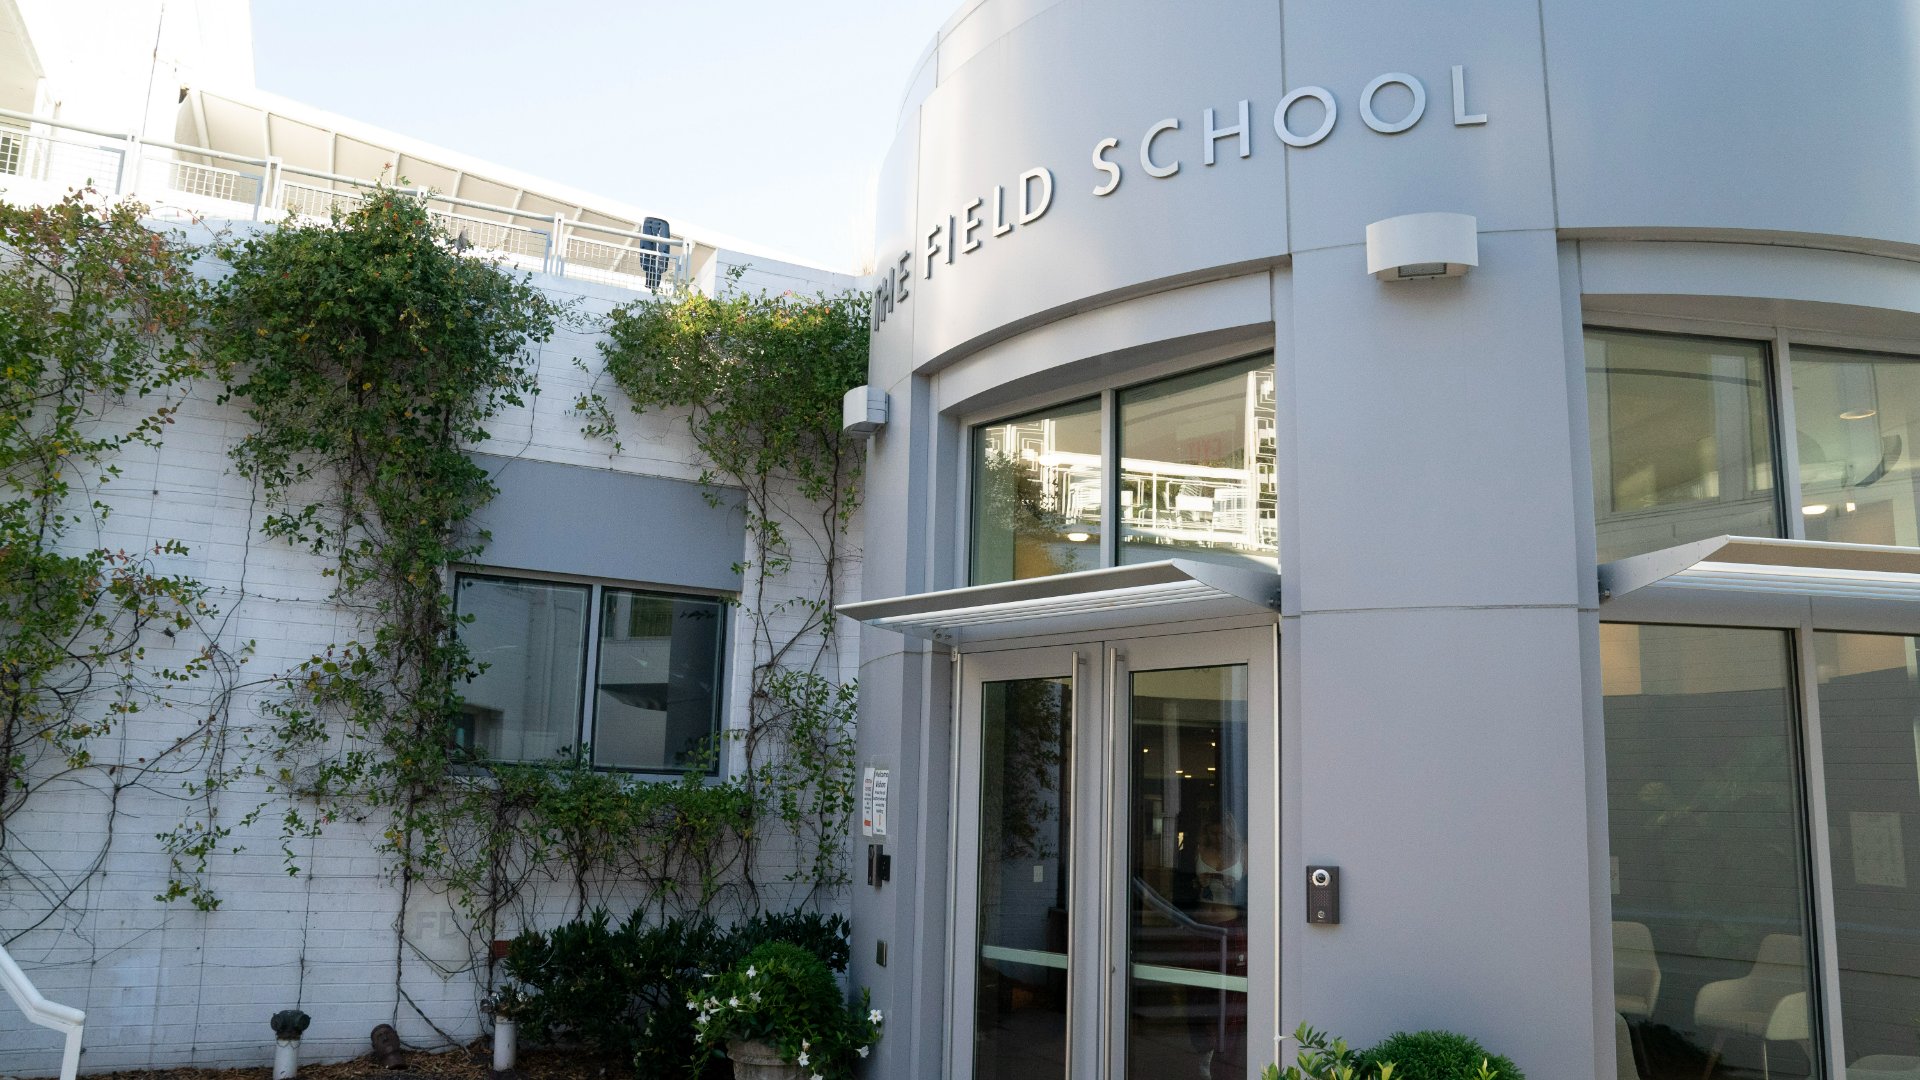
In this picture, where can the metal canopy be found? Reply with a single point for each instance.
(1757, 581)
(1177, 590)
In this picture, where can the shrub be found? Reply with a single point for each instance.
(783, 994)
(825, 936)
(621, 989)
(1438, 1055)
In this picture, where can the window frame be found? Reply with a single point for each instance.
(1107, 391)
(585, 723)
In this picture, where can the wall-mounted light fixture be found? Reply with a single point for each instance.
(1416, 246)
(863, 411)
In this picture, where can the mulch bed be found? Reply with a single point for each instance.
(471, 1062)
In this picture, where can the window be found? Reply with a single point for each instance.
(1037, 494)
(1195, 478)
(1682, 440)
(1705, 826)
(1858, 417)
(654, 664)
(1870, 733)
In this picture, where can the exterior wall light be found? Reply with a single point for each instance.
(1415, 246)
(863, 411)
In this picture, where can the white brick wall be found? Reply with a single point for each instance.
(163, 984)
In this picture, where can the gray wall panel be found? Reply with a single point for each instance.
(1770, 115)
(564, 519)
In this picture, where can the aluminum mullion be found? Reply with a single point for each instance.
(1786, 479)
(1110, 481)
(1820, 854)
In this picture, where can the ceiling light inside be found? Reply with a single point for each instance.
(1858, 414)
(1079, 537)
(1815, 509)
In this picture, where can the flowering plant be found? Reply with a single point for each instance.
(784, 995)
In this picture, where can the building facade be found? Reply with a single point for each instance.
(1289, 606)
(604, 604)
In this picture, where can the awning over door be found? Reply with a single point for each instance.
(1177, 590)
(1755, 581)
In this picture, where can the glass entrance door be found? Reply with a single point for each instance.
(1115, 902)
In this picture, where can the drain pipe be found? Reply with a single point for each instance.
(505, 1044)
(287, 1026)
(503, 1005)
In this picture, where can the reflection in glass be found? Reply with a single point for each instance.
(1682, 446)
(657, 690)
(1704, 822)
(1197, 467)
(1020, 1004)
(1870, 735)
(532, 638)
(1036, 494)
(1859, 416)
(1187, 923)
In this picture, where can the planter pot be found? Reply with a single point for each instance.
(756, 1060)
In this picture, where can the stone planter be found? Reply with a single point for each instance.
(756, 1060)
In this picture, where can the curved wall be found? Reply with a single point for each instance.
(1439, 618)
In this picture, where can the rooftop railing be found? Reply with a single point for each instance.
(41, 159)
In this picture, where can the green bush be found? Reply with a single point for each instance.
(785, 995)
(621, 989)
(826, 936)
(1437, 1055)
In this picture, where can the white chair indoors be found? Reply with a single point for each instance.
(1636, 971)
(1624, 1067)
(1790, 1022)
(1636, 981)
(1745, 1006)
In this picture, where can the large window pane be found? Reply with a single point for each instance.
(1859, 418)
(1187, 932)
(1870, 735)
(1710, 886)
(532, 638)
(1197, 467)
(657, 691)
(1037, 494)
(1682, 446)
(1020, 1007)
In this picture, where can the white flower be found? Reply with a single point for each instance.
(754, 997)
(733, 1003)
(863, 1051)
(817, 1076)
(693, 1006)
(802, 1059)
(873, 1017)
(750, 972)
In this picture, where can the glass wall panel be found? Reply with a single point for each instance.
(1187, 930)
(1858, 416)
(532, 638)
(1704, 819)
(1037, 492)
(1682, 445)
(657, 690)
(1870, 735)
(1020, 1005)
(1197, 467)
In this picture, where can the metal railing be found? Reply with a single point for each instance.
(41, 159)
(47, 1014)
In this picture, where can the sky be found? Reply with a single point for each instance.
(760, 119)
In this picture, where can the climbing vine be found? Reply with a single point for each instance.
(368, 354)
(96, 314)
(759, 381)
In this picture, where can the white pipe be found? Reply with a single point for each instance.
(503, 1045)
(46, 1013)
(286, 1058)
